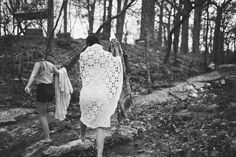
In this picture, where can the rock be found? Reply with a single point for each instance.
(4, 129)
(10, 115)
(31, 150)
(146, 154)
(197, 107)
(138, 125)
(206, 77)
(215, 153)
(222, 134)
(193, 95)
(158, 96)
(212, 108)
(127, 131)
(198, 115)
(185, 114)
(233, 123)
(71, 146)
(233, 144)
(113, 135)
(169, 106)
(180, 95)
(233, 105)
(216, 121)
(199, 85)
(180, 87)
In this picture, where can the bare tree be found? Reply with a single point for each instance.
(184, 16)
(0, 18)
(176, 33)
(50, 33)
(196, 29)
(206, 37)
(104, 18)
(91, 9)
(160, 28)
(185, 30)
(107, 28)
(65, 16)
(114, 17)
(217, 55)
(120, 20)
(147, 20)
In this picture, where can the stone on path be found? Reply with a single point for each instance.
(180, 91)
(212, 108)
(124, 132)
(10, 115)
(68, 147)
(158, 96)
(233, 144)
(215, 75)
(31, 150)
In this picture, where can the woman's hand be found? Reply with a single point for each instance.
(58, 66)
(115, 47)
(27, 89)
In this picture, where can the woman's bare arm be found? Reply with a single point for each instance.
(33, 74)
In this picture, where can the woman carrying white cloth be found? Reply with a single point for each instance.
(102, 79)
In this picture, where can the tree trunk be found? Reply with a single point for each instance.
(0, 18)
(175, 28)
(206, 38)
(91, 10)
(107, 28)
(104, 18)
(185, 29)
(168, 26)
(120, 20)
(147, 47)
(65, 16)
(147, 19)
(218, 56)
(221, 48)
(196, 29)
(176, 37)
(216, 42)
(50, 34)
(160, 23)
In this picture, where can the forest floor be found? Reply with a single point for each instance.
(202, 124)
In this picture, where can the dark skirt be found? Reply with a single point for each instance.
(45, 93)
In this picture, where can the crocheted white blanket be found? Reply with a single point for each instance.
(102, 79)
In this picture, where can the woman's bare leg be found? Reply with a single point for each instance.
(82, 131)
(43, 118)
(100, 141)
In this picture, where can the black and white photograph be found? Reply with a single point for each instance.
(117, 78)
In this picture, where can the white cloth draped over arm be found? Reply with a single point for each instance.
(63, 91)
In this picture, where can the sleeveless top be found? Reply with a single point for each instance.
(45, 73)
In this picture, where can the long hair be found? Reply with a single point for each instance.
(92, 39)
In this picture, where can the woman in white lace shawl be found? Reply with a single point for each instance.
(102, 79)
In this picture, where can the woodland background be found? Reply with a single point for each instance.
(168, 43)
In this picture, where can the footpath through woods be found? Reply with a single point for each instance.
(191, 119)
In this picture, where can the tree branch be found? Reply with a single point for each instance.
(110, 19)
